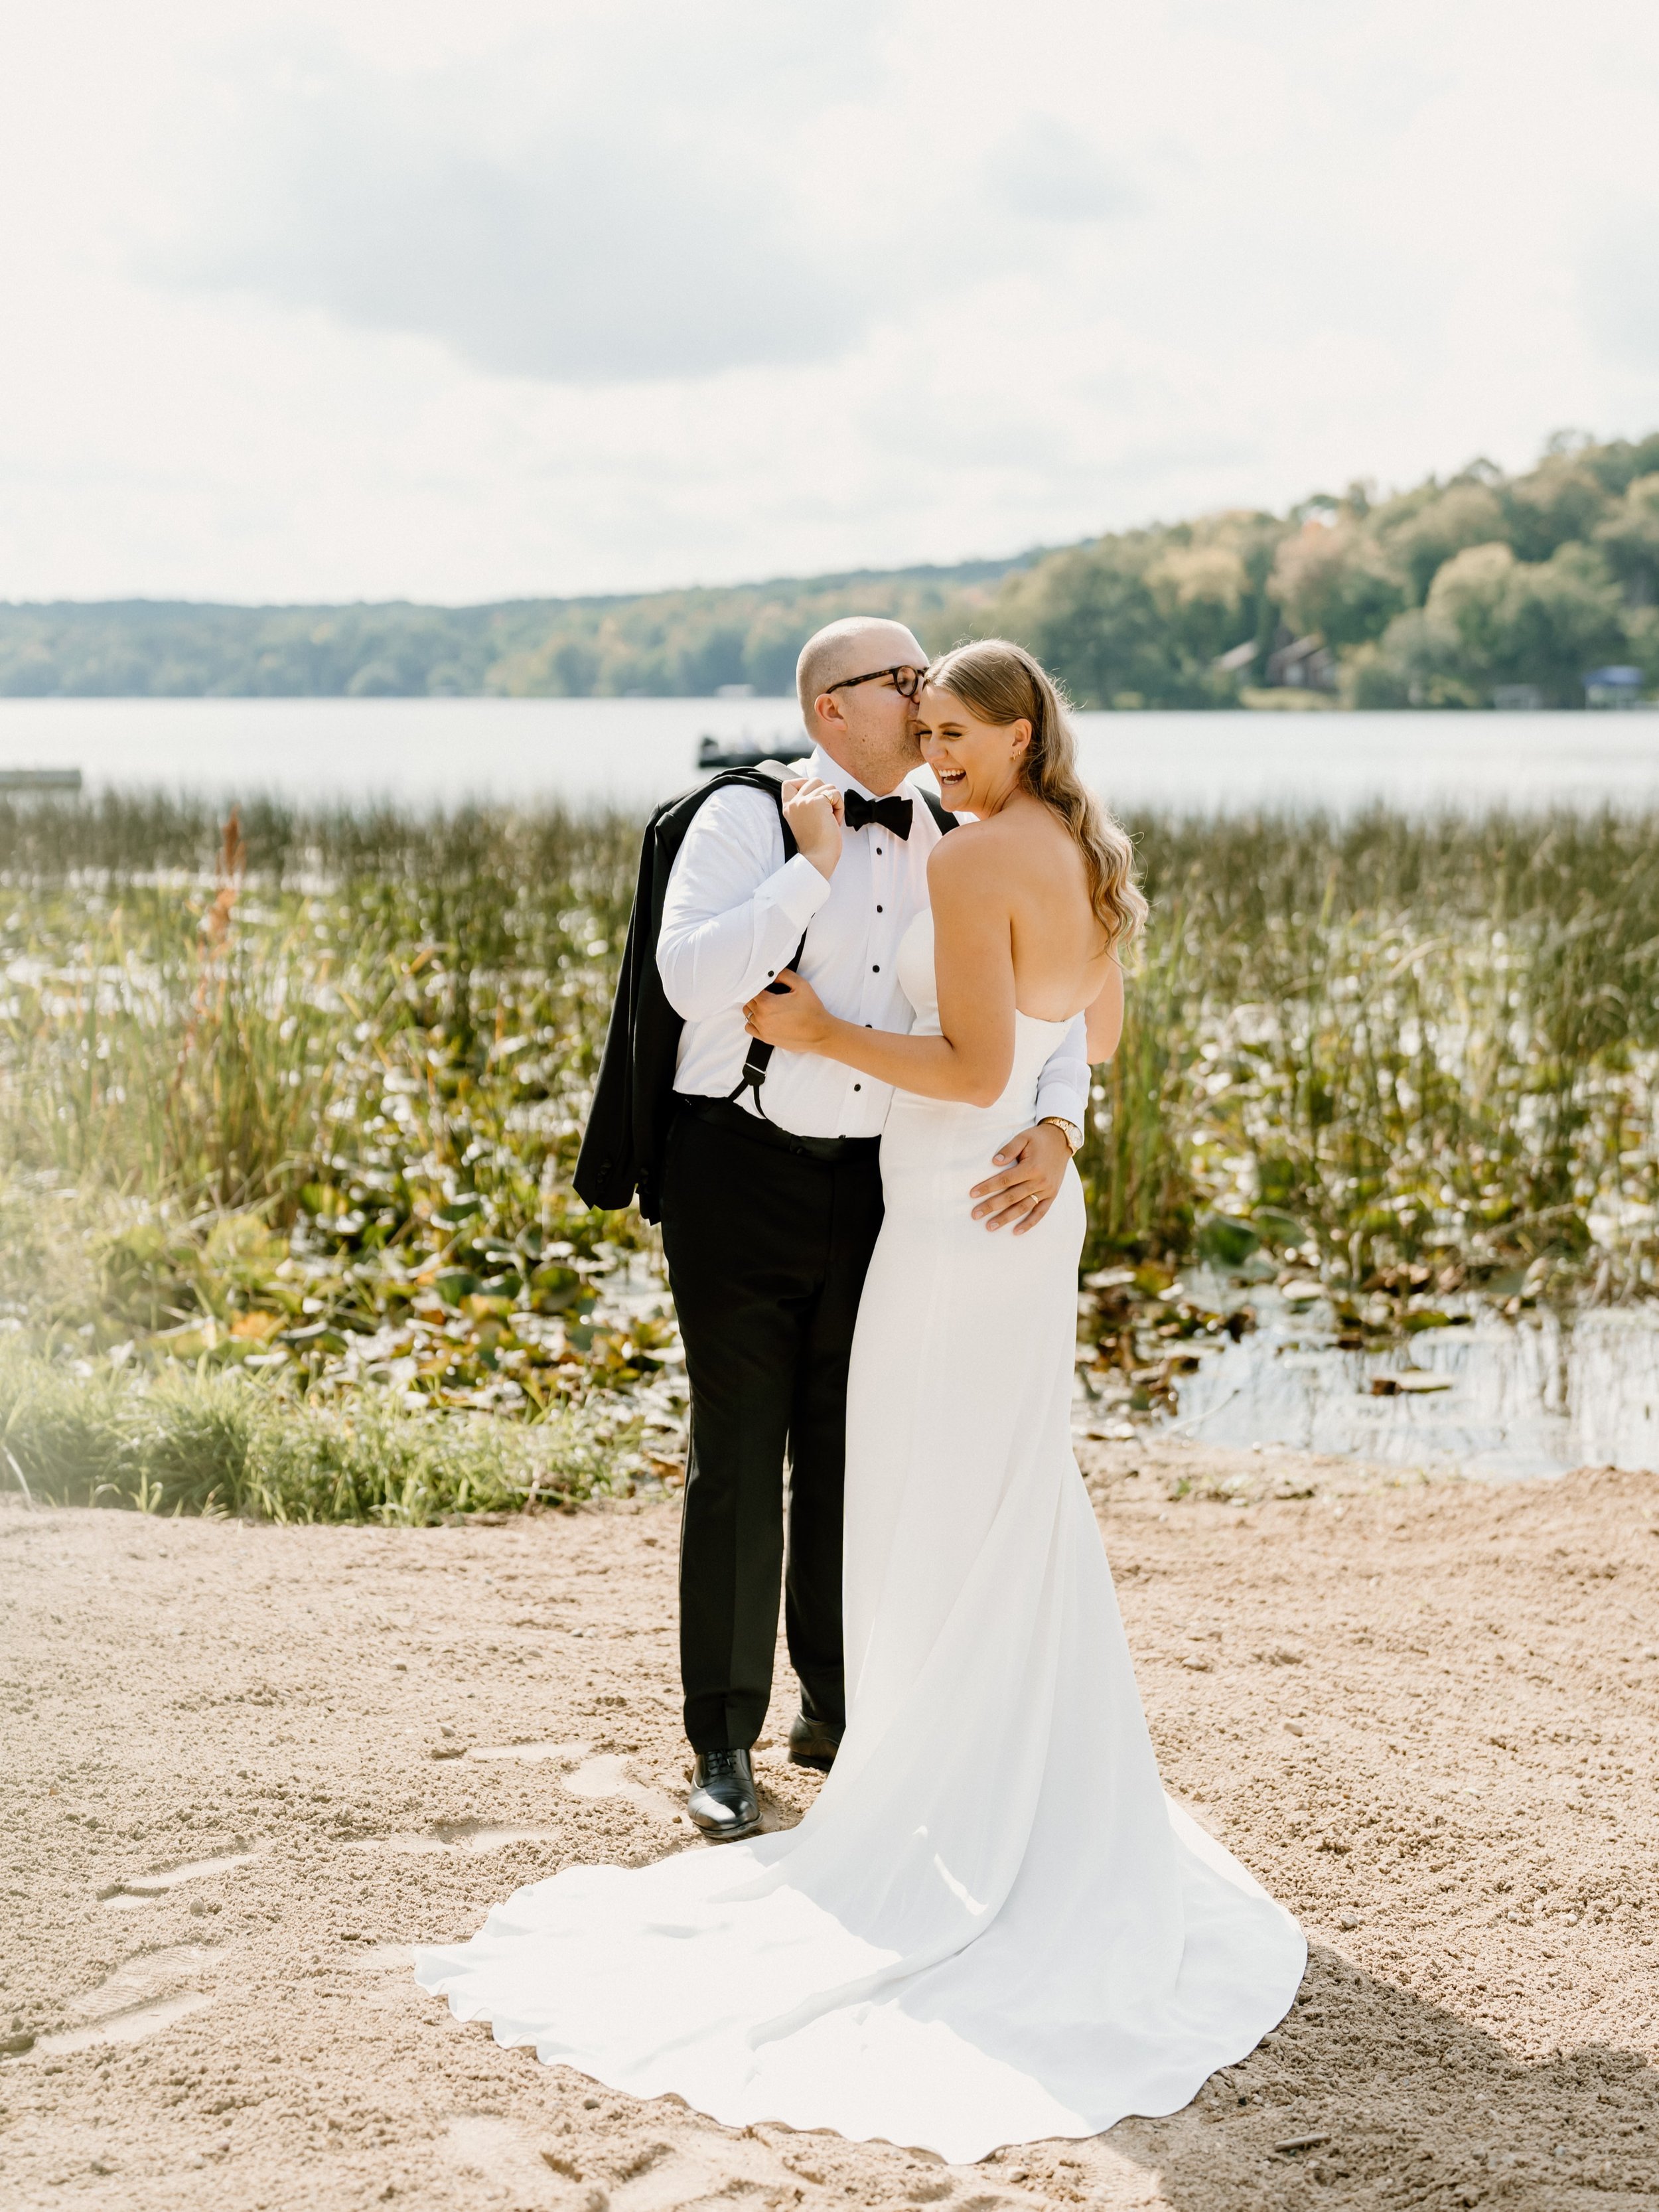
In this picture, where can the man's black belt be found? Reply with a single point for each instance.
(726, 1115)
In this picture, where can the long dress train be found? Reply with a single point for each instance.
(992, 1926)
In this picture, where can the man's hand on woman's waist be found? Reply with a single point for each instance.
(1031, 1168)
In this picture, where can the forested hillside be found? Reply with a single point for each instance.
(1438, 597)
(1460, 590)
(663, 644)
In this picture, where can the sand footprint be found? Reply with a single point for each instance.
(139, 1999)
(500, 2153)
(144, 1888)
(452, 1836)
(123, 2028)
(654, 2176)
(607, 1776)
(604, 1775)
(527, 1754)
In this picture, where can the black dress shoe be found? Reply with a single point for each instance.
(814, 1743)
(723, 1802)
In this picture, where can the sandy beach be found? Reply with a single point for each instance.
(247, 1767)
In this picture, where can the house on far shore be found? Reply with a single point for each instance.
(1518, 698)
(1306, 664)
(1612, 687)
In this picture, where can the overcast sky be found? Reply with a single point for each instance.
(337, 298)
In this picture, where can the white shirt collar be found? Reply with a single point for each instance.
(831, 771)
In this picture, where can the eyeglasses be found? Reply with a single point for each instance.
(906, 681)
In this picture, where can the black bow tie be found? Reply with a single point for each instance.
(892, 814)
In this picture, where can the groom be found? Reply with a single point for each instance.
(771, 1190)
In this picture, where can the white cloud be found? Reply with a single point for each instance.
(546, 212)
(1047, 169)
(1621, 284)
(536, 296)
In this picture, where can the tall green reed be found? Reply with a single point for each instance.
(1379, 1039)
(1408, 1038)
(219, 1012)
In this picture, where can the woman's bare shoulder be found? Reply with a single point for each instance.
(968, 855)
(1018, 838)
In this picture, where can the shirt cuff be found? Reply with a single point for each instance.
(797, 889)
(1070, 1101)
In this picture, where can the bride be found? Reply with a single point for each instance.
(993, 1926)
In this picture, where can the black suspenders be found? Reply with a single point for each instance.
(759, 1057)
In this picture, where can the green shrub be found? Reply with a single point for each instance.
(197, 1442)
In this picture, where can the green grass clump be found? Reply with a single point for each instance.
(193, 1440)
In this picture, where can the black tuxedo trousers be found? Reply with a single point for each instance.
(766, 1252)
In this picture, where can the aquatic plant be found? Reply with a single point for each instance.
(1387, 1041)
(299, 1096)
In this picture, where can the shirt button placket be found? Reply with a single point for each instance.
(880, 872)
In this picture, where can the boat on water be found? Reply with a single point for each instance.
(40, 778)
(745, 752)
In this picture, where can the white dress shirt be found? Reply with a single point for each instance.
(735, 912)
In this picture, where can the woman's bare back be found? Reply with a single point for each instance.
(1060, 953)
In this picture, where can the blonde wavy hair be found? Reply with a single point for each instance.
(1000, 683)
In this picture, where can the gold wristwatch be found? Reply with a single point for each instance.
(1069, 1130)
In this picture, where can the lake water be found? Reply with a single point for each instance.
(1494, 1398)
(635, 751)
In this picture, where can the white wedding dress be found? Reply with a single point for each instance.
(993, 1926)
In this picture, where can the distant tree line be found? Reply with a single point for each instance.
(1481, 587)
(1452, 594)
(662, 644)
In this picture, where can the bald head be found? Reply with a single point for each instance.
(855, 646)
